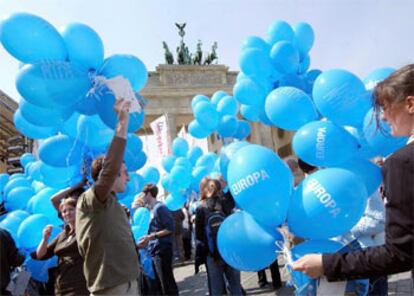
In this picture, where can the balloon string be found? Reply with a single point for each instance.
(286, 254)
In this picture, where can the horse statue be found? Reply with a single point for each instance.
(198, 56)
(169, 58)
(212, 55)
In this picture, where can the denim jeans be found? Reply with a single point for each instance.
(217, 272)
(164, 272)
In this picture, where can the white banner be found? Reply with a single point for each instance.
(162, 136)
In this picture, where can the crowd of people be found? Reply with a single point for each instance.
(97, 253)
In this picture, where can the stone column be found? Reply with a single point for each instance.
(172, 125)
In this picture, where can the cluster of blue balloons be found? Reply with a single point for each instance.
(185, 169)
(218, 114)
(66, 106)
(274, 85)
(63, 95)
(261, 184)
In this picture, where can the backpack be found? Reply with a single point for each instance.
(214, 220)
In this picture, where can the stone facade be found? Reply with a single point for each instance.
(171, 88)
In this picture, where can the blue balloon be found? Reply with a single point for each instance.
(126, 201)
(70, 126)
(60, 151)
(151, 175)
(206, 115)
(322, 143)
(18, 197)
(17, 175)
(341, 97)
(168, 162)
(84, 46)
(304, 36)
(40, 116)
(255, 42)
(166, 183)
(241, 239)
(180, 147)
(364, 150)
(326, 204)
(181, 177)
(251, 113)
(142, 217)
(12, 222)
(378, 75)
(37, 186)
(58, 177)
(175, 201)
(33, 170)
(93, 132)
(241, 76)
(30, 231)
(294, 80)
(207, 160)
(228, 126)
(249, 92)
(42, 205)
(268, 177)
(183, 162)
(15, 183)
(217, 96)
(26, 158)
(264, 119)
(285, 57)
(105, 107)
(226, 155)
(39, 269)
(136, 183)
(31, 39)
(300, 279)
(4, 178)
(256, 63)
(139, 161)
(133, 152)
(19, 214)
(138, 232)
(194, 154)
(52, 84)
(198, 131)
(378, 136)
(279, 31)
(368, 172)
(304, 65)
(198, 174)
(243, 130)
(30, 130)
(86, 105)
(197, 99)
(290, 108)
(128, 66)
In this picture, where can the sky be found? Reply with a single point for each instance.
(359, 36)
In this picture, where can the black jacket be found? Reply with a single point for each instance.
(9, 257)
(396, 255)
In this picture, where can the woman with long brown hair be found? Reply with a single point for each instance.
(209, 216)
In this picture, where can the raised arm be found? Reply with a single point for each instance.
(45, 251)
(57, 198)
(113, 160)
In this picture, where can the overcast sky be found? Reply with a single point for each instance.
(356, 35)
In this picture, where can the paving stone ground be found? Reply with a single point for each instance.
(190, 284)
